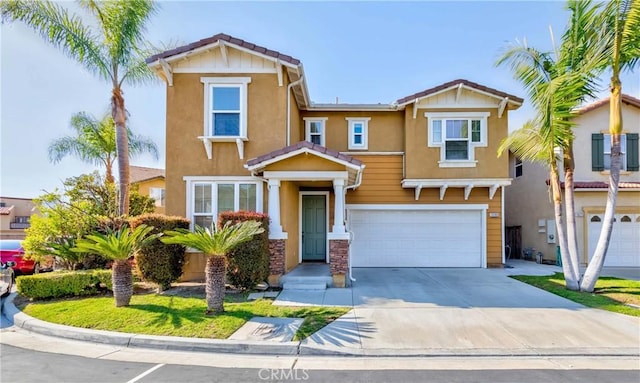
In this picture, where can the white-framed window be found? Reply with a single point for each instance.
(158, 195)
(358, 132)
(225, 107)
(457, 134)
(209, 196)
(315, 130)
(518, 168)
(607, 152)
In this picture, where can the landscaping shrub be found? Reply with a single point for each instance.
(158, 262)
(249, 262)
(64, 284)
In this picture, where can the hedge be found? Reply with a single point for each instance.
(64, 284)
(249, 262)
(158, 262)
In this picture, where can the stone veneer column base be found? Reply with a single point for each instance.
(276, 261)
(339, 261)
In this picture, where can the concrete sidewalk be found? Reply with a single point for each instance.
(418, 312)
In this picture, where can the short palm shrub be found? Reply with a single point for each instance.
(119, 245)
(215, 242)
(248, 262)
(159, 262)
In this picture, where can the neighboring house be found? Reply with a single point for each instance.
(150, 182)
(15, 214)
(529, 208)
(415, 183)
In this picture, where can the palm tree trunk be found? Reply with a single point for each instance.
(122, 282)
(570, 278)
(118, 113)
(215, 273)
(594, 268)
(109, 173)
(572, 236)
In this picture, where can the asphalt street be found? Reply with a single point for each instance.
(21, 365)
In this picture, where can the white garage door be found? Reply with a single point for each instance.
(624, 246)
(416, 238)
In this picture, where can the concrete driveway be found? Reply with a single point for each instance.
(469, 311)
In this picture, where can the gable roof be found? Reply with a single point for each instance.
(626, 99)
(302, 147)
(453, 84)
(140, 173)
(230, 39)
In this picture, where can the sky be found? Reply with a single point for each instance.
(357, 52)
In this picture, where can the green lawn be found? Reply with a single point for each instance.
(172, 315)
(611, 294)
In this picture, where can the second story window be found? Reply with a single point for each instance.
(225, 107)
(607, 152)
(518, 168)
(158, 195)
(315, 130)
(457, 134)
(601, 152)
(358, 133)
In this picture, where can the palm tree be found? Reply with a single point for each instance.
(215, 243)
(94, 142)
(118, 245)
(556, 83)
(620, 21)
(109, 45)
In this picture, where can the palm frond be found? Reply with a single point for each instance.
(529, 144)
(141, 144)
(67, 32)
(119, 244)
(213, 240)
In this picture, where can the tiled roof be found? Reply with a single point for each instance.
(454, 83)
(5, 210)
(626, 99)
(227, 38)
(302, 145)
(601, 185)
(139, 174)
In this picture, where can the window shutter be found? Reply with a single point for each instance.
(597, 152)
(632, 152)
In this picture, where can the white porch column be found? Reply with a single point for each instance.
(275, 228)
(338, 215)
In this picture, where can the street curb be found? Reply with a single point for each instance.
(26, 322)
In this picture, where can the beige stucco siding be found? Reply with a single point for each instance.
(385, 130)
(422, 161)
(305, 162)
(381, 184)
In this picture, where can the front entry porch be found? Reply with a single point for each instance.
(307, 276)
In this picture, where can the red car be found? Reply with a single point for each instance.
(11, 251)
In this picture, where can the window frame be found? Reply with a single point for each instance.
(471, 145)
(623, 151)
(352, 121)
(194, 181)
(307, 129)
(225, 82)
(163, 198)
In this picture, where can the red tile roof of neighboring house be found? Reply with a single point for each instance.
(302, 145)
(601, 185)
(454, 83)
(5, 210)
(140, 173)
(227, 38)
(626, 99)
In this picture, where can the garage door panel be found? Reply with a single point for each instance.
(406, 238)
(624, 244)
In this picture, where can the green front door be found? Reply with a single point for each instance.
(314, 228)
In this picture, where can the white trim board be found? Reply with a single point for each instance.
(459, 206)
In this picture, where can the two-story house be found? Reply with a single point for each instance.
(15, 214)
(529, 210)
(149, 182)
(414, 183)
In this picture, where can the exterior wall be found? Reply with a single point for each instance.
(527, 201)
(289, 215)
(22, 207)
(305, 162)
(590, 202)
(381, 184)
(422, 161)
(266, 129)
(385, 130)
(597, 121)
(144, 186)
